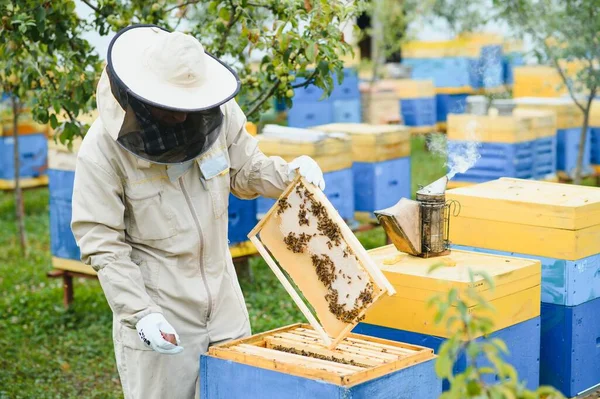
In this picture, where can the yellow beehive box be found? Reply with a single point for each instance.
(554, 220)
(329, 151)
(411, 88)
(251, 128)
(25, 124)
(380, 102)
(567, 114)
(489, 129)
(537, 81)
(373, 143)
(543, 123)
(516, 297)
(595, 114)
(430, 49)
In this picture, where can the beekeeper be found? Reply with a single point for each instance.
(150, 200)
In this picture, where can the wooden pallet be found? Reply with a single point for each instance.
(297, 350)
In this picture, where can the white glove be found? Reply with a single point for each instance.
(309, 169)
(150, 329)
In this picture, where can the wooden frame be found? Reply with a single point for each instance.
(358, 359)
(379, 280)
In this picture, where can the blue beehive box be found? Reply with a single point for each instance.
(291, 363)
(418, 111)
(492, 72)
(343, 104)
(509, 62)
(568, 141)
(497, 160)
(450, 104)
(445, 72)
(62, 241)
(33, 156)
(522, 340)
(242, 219)
(561, 233)
(379, 185)
(595, 145)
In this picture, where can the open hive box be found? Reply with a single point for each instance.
(296, 350)
(324, 259)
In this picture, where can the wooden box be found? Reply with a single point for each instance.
(330, 152)
(516, 297)
(529, 217)
(489, 129)
(290, 362)
(373, 143)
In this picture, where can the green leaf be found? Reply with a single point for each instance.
(443, 366)
(500, 344)
(473, 388)
(224, 14)
(434, 267)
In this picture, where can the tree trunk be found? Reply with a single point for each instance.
(582, 137)
(16, 108)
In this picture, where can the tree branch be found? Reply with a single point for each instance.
(187, 3)
(93, 7)
(264, 98)
(232, 20)
(306, 82)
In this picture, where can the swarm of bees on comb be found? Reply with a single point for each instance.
(298, 242)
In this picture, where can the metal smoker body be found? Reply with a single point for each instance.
(421, 227)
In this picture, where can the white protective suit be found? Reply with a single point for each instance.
(161, 246)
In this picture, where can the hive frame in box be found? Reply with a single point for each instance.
(379, 281)
(261, 351)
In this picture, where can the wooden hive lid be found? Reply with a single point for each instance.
(324, 259)
(487, 128)
(412, 279)
(364, 133)
(295, 350)
(530, 202)
(289, 142)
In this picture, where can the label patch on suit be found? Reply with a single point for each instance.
(214, 166)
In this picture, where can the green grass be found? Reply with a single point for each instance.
(49, 352)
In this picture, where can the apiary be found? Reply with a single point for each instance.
(290, 362)
(559, 225)
(381, 164)
(331, 152)
(569, 122)
(406, 317)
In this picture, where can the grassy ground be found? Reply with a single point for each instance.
(50, 352)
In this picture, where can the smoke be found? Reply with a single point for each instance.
(460, 155)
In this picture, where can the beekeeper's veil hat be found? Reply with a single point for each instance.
(148, 66)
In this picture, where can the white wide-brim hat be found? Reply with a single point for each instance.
(169, 70)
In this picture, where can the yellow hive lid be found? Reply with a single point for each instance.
(530, 202)
(515, 298)
(493, 129)
(429, 49)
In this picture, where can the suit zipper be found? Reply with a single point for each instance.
(199, 230)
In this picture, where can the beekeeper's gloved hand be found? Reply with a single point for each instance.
(149, 329)
(309, 169)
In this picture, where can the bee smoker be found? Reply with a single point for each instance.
(421, 228)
